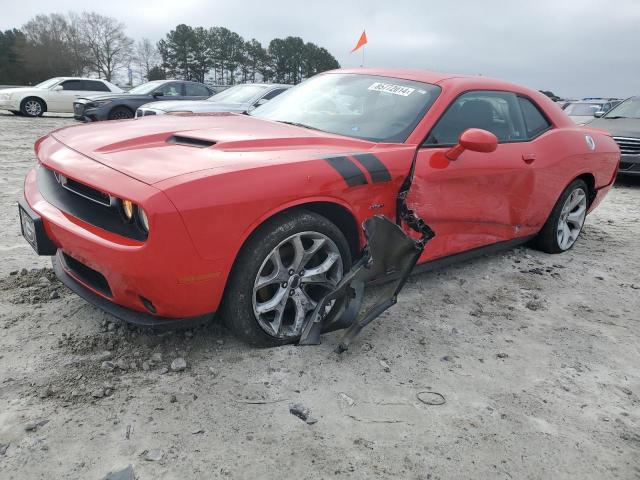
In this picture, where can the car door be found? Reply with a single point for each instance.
(61, 99)
(479, 198)
(196, 91)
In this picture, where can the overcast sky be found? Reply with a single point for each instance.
(575, 48)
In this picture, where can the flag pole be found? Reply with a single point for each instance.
(362, 64)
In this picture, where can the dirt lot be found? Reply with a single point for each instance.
(536, 356)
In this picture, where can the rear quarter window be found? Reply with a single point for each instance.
(535, 122)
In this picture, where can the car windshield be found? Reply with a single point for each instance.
(238, 94)
(630, 108)
(48, 83)
(380, 109)
(145, 88)
(583, 109)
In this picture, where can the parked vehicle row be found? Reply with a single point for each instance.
(583, 111)
(258, 216)
(237, 99)
(55, 95)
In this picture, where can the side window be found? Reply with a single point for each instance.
(196, 90)
(72, 85)
(173, 89)
(95, 86)
(535, 122)
(497, 112)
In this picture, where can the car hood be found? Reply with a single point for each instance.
(165, 146)
(581, 118)
(618, 127)
(19, 89)
(196, 106)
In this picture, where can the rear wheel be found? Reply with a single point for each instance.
(287, 266)
(32, 107)
(565, 223)
(120, 113)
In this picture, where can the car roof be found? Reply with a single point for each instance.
(437, 78)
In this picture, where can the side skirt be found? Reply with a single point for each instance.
(442, 262)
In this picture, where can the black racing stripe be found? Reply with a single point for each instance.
(349, 171)
(374, 166)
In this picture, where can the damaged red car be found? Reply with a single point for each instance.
(259, 217)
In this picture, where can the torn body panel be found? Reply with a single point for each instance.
(389, 257)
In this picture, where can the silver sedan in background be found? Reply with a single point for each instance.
(238, 99)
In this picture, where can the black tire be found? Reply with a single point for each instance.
(32, 107)
(17, 113)
(120, 113)
(547, 239)
(237, 304)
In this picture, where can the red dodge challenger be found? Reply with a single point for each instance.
(258, 216)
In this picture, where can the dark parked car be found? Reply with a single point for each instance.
(237, 99)
(121, 106)
(623, 123)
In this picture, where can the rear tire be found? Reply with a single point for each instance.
(120, 113)
(265, 305)
(32, 107)
(564, 225)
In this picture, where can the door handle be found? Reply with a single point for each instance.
(529, 158)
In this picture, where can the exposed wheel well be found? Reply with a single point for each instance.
(590, 180)
(44, 104)
(337, 214)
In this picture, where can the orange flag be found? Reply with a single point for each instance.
(361, 42)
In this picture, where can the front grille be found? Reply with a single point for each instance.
(102, 215)
(87, 275)
(148, 112)
(83, 190)
(628, 146)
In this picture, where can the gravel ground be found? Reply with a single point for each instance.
(535, 356)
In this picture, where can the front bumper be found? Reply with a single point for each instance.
(629, 165)
(9, 105)
(163, 276)
(86, 112)
(134, 317)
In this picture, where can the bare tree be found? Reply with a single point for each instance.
(109, 47)
(146, 56)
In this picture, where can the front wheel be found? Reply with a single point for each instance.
(287, 266)
(565, 223)
(120, 113)
(32, 107)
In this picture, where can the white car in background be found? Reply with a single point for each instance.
(54, 95)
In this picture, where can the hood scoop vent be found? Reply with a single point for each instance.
(190, 141)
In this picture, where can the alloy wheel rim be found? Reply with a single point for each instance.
(121, 116)
(572, 218)
(33, 108)
(294, 276)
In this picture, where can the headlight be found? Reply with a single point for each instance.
(144, 220)
(101, 103)
(127, 209)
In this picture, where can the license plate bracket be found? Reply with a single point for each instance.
(33, 230)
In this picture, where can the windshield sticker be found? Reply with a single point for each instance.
(390, 88)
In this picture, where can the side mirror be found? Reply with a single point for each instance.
(474, 139)
(58, 88)
(157, 94)
(599, 113)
